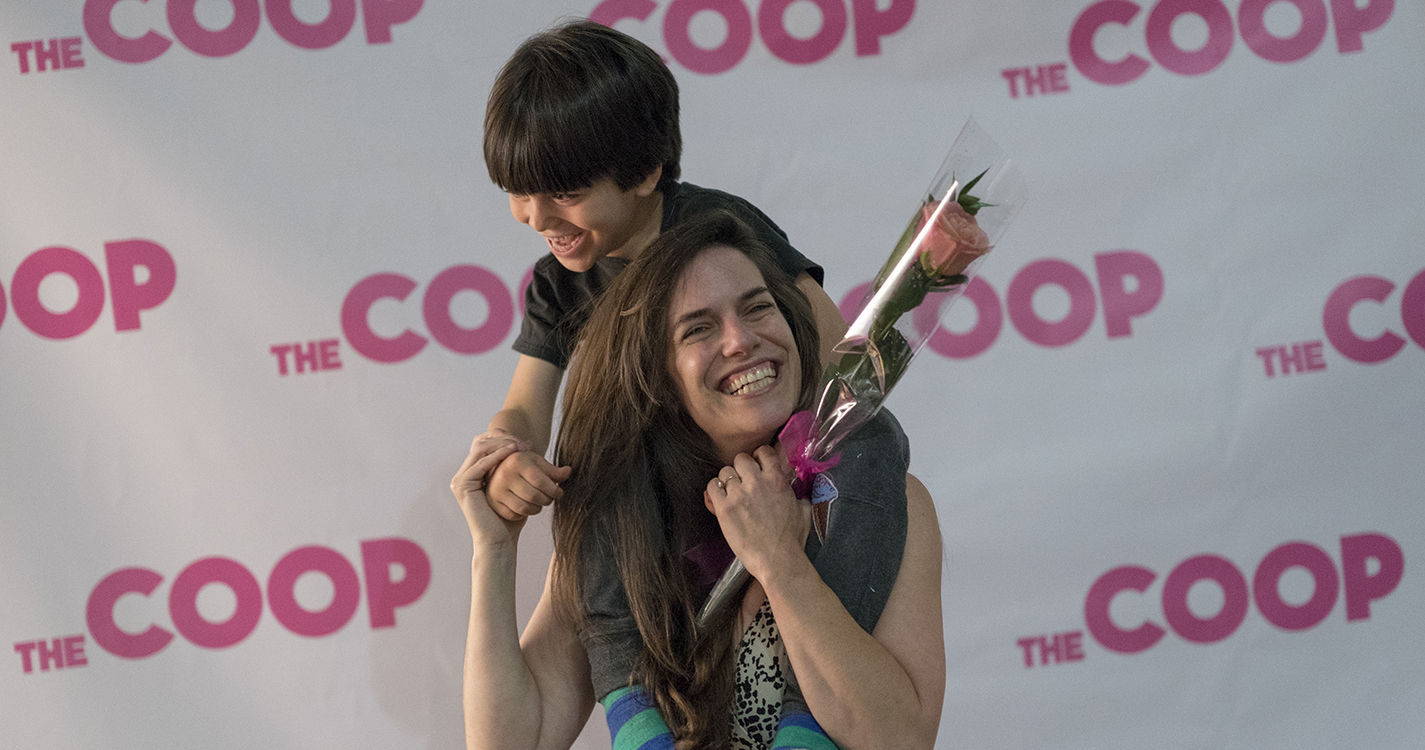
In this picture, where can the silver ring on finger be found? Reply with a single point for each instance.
(720, 484)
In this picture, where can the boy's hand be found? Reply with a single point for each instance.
(469, 488)
(523, 484)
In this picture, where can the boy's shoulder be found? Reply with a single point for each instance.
(685, 201)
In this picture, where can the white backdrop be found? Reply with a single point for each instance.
(1175, 447)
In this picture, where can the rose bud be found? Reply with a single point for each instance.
(954, 242)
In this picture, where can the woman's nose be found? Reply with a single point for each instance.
(737, 338)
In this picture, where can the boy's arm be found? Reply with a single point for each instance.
(829, 324)
(525, 482)
(528, 410)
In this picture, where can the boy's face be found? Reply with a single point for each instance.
(585, 225)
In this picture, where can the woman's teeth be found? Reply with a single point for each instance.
(759, 378)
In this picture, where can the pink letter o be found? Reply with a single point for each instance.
(707, 61)
(1267, 579)
(183, 602)
(771, 17)
(247, 16)
(436, 308)
(320, 35)
(1020, 300)
(281, 591)
(1174, 58)
(1251, 17)
(1234, 605)
(989, 319)
(25, 290)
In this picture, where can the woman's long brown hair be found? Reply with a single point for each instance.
(641, 465)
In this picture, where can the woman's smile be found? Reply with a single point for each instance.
(756, 379)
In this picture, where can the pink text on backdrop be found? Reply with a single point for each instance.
(130, 296)
(1361, 585)
(1352, 22)
(1130, 285)
(1297, 358)
(870, 22)
(1336, 317)
(63, 652)
(62, 53)
(435, 308)
(379, 17)
(312, 356)
(384, 594)
(1054, 648)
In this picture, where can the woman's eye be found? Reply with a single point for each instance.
(759, 308)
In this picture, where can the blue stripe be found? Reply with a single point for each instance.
(661, 742)
(801, 719)
(625, 708)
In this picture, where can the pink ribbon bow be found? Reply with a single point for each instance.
(796, 438)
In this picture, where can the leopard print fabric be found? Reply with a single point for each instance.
(761, 679)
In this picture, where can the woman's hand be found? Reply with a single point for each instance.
(468, 486)
(761, 518)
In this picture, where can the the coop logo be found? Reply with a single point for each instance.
(1350, 20)
(1129, 285)
(132, 31)
(868, 21)
(396, 571)
(1371, 567)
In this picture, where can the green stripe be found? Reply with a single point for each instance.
(638, 729)
(643, 727)
(802, 739)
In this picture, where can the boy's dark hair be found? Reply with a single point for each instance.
(579, 103)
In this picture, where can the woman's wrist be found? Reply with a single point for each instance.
(782, 568)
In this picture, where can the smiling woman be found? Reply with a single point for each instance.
(689, 366)
(733, 356)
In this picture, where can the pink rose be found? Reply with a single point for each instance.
(955, 241)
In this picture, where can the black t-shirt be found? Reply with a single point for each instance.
(559, 301)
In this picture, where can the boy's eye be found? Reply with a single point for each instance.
(563, 197)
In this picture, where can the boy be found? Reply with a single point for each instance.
(581, 129)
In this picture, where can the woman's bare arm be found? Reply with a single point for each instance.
(866, 690)
(521, 693)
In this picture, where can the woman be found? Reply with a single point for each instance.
(687, 370)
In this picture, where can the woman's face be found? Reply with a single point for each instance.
(733, 356)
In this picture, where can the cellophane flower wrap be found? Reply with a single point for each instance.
(970, 203)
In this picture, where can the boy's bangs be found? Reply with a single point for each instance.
(529, 165)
